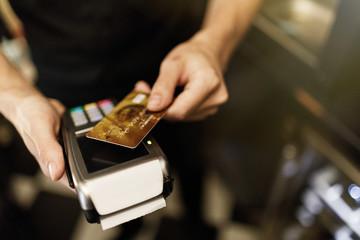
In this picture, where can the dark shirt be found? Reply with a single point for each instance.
(89, 50)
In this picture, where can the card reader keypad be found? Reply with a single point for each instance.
(91, 112)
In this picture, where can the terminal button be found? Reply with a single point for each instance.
(78, 116)
(93, 112)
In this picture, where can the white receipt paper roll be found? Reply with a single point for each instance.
(128, 187)
(131, 213)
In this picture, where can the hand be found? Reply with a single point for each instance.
(37, 119)
(194, 66)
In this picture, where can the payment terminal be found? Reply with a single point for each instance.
(112, 181)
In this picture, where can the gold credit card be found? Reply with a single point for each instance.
(128, 123)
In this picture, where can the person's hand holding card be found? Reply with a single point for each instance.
(194, 66)
(128, 123)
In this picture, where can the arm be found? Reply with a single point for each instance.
(36, 118)
(198, 64)
(225, 24)
(11, 21)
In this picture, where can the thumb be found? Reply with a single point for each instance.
(51, 157)
(164, 87)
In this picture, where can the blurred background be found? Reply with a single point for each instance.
(282, 156)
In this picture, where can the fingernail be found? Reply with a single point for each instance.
(52, 167)
(154, 101)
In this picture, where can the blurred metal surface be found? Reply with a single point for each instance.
(308, 21)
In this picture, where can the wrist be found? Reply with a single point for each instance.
(225, 23)
(11, 98)
(218, 44)
(13, 88)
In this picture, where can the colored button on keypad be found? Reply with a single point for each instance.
(93, 112)
(106, 106)
(78, 116)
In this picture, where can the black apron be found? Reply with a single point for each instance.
(89, 50)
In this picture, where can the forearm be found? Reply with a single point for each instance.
(225, 23)
(13, 87)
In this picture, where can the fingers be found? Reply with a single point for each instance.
(163, 90)
(45, 148)
(200, 98)
(59, 107)
(142, 86)
(64, 181)
(38, 122)
(202, 115)
(51, 158)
